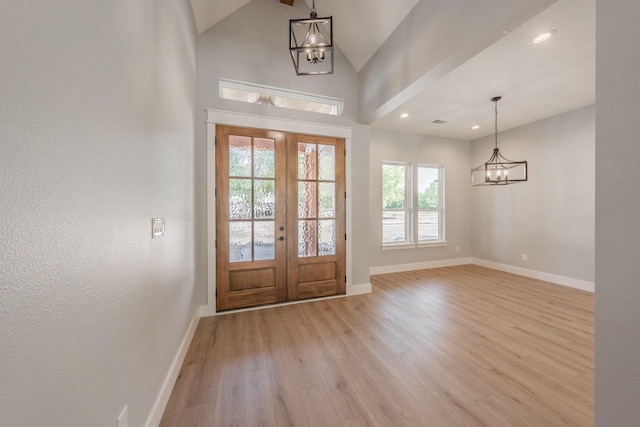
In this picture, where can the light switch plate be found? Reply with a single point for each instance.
(157, 227)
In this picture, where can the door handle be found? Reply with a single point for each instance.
(281, 238)
(281, 228)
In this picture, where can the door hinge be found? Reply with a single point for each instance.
(216, 243)
(215, 140)
(345, 194)
(215, 192)
(345, 279)
(345, 236)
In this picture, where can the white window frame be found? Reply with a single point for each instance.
(408, 206)
(440, 238)
(412, 210)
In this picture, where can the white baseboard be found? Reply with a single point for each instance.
(399, 268)
(364, 288)
(167, 385)
(207, 310)
(547, 277)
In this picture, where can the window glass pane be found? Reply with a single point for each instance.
(239, 155)
(307, 199)
(307, 238)
(428, 187)
(278, 97)
(394, 186)
(393, 226)
(239, 241)
(240, 198)
(264, 198)
(264, 158)
(264, 240)
(327, 199)
(428, 225)
(307, 160)
(327, 237)
(327, 162)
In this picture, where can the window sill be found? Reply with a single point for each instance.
(401, 246)
(397, 246)
(432, 244)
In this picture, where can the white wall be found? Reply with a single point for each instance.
(454, 156)
(251, 45)
(617, 207)
(550, 217)
(97, 130)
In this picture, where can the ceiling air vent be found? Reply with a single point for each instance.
(440, 122)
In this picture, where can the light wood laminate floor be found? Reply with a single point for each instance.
(457, 346)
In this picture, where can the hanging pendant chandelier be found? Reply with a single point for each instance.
(499, 170)
(311, 44)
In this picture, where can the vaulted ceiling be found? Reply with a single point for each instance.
(536, 80)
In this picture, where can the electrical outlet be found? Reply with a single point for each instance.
(524, 257)
(123, 419)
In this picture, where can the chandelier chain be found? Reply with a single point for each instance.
(496, 122)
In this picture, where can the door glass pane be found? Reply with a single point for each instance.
(327, 237)
(307, 238)
(239, 241)
(264, 158)
(327, 162)
(240, 198)
(264, 198)
(393, 226)
(239, 155)
(327, 199)
(307, 160)
(307, 199)
(264, 240)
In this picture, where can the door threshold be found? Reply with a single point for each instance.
(280, 304)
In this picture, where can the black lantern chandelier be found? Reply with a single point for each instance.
(499, 170)
(311, 44)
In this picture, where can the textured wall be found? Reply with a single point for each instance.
(97, 109)
(617, 207)
(550, 217)
(454, 156)
(251, 45)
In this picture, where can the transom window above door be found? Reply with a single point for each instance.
(278, 97)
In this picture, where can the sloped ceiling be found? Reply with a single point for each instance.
(360, 26)
(536, 81)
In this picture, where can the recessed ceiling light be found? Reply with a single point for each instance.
(404, 115)
(475, 127)
(543, 37)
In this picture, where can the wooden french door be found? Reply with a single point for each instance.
(280, 217)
